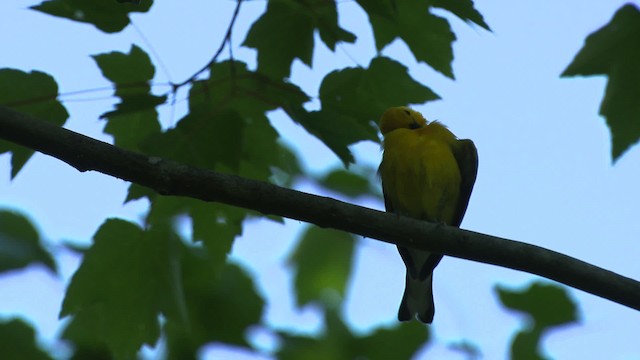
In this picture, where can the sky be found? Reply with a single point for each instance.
(545, 175)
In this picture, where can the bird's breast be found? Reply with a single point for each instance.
(420, 176)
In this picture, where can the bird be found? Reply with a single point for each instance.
(427, 173)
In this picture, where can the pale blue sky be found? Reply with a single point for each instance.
(545, 169)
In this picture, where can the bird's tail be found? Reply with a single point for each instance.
(417, 300)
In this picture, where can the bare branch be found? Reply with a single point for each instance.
(171, 178)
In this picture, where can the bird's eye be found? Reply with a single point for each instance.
(407, 112)
(414, 125)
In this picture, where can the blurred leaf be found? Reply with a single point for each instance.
(129, 277)
(322, 262)
(228, 308)
(118, 291)
(137, 192)
(353, 99)
(346, 182)
(18, 341)
(471, 350)
(83, 352)
(221, 306)
(135, 117)
(262, 154)
(400, 342)
(287, 166)
(285, 32)
(547, 306)
(107, 15)
(429, 37)
(337, 342)
(20, 243)
(614, 50)
(526, 345)
(463, 9)
(33, 93)
(350, 183)
(215, 225)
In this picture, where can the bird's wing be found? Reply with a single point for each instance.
(388, 205)
(467, 158)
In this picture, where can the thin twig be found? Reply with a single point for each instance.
(153, 51)
(225, 40)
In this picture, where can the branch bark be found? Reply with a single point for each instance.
(172, 178)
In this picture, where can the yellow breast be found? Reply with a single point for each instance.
(419, 172)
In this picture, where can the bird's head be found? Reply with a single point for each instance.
(401, 117)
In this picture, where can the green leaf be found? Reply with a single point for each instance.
(251, 94)
(337, 342)
(463, 9)
(336, 131)
(349, 183)
(365, 94)
(135, 117)
(130, 276)
(400, 342)
(215, 225)
(287, 167)
(526, 345)
(120, 288)
(322, 262)
(132, 129)
(263, 156)
(221, 306)
(83, 352)
(207, 140)
(547, 306)
(130, 70)
(285, 32)
(353, 99)
(614, 50)
(325, 17)
(107, 15)
(429, 37)
(137, 192)
(33, 93)
(20, 243)
(227, 129)
(18, 341)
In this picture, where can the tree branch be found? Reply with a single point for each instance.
(172, 178)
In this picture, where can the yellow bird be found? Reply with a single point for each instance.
(427, 173)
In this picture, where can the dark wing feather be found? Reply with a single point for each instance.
(388, 206)
(467, 157)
